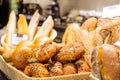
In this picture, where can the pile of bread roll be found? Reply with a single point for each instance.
(38, 59)
(40, 56)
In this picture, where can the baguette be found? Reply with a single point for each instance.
(22, 25)
(46, 28)
(71, 34)
(90, 24)
(33, 24)
(11, 27)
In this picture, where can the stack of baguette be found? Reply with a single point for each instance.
(31, 29)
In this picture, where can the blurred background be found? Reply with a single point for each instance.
(65, 6)
(63, 12)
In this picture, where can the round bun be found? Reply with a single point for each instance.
(69, 68)
(36, 70)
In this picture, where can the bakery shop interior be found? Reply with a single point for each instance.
(59, 40)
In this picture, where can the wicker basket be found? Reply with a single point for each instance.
(93, 78)
(14, 74)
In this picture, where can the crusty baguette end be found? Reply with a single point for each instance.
(46, 28)
(33, 24)
(11, 27)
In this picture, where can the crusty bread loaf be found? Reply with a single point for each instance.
(90, 24)
(11, 27)
(36, 70)
(33, 25)
(71, 34)
(46, 28)
(105, 62)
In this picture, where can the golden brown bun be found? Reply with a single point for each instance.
(45, 51)
(21, 54)
(36, 70)
(69, 68)
(70, 52)
(22, 25)
(57, 69)
(82, 66)
(11, 27)
(71, 34)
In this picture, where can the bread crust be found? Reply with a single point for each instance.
(10, 28)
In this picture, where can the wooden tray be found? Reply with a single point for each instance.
(15, 74)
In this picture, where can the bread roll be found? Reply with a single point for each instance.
(33, 25)
(69, 68)
(22, 25)
(46, 28)
(36, 70)
(70, 52)
(45, 51)
(11, 27)
(56, 69)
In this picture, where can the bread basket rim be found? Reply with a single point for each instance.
(32, 78)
